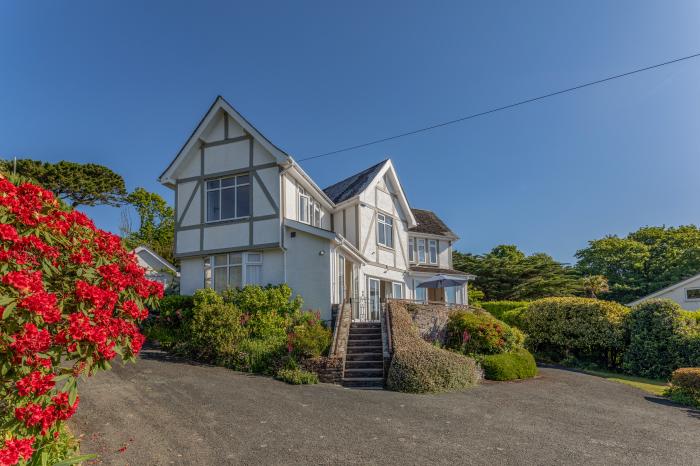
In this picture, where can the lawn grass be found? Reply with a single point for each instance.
(653, 386)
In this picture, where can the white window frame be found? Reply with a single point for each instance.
(385, 222)
(432, 245)
(691, 289)
(393, 290)
(303, 212)
(420, 242)
(411, 250)
(246, 261)
(235, 187)
(315, 213)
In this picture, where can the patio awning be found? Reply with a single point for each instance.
(443, 281)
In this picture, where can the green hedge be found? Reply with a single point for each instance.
(661, 337)
(575, 329)
(499, 308)
(519, 364)
(419, 367)
(297, 376)
(685, 386)
(478, 332)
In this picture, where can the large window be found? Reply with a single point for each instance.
(228, 198)
(421, 250)
(385, 230)
(233, 270)
(420, 294)
(432, 250)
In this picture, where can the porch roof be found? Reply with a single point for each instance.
(425, 269)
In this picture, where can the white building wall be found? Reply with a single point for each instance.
(679, 295)
(309, 270)
(191, 275)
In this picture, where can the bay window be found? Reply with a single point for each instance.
(228, 198)
(432, 250)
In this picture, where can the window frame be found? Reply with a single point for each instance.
(383, 224)
(393, 293)
(420, 241)
(693, 288)
(302, 194)
(432, 243)
(210, 268)
(235, 187)
(411, 250)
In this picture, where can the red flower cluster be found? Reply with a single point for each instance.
(35, 383)
(34, 414)
(15, 449)
(70, 292)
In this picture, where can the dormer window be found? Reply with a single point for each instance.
(385, 230)
(228, 198)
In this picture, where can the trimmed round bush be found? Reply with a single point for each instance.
(519, 364)
(582, 329)
(660, 338)
(419, 367)
(478, 332)
(685, 386)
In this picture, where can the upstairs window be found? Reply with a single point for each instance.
(304, 202)
(228, 198)
(432, 251)
(411, 250)
(385, 230)
(421, 250)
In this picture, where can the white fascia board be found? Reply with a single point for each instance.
(312, 230)
(665, 290)
(310, 185)
(389, 168)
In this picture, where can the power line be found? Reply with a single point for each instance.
(498, 109)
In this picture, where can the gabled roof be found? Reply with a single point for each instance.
(353, 185)
(666, 290)
(430, 223)
(220, 104)
(160, 259)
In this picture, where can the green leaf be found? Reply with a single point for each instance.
(4, 300)
(8, 310)
(75, 460)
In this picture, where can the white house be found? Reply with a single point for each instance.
(686, 293)
(157, 268)
(247, 213)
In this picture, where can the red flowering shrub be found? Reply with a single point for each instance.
(71, 298)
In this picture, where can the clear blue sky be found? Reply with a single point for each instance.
(124, 83)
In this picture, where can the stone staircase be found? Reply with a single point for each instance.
(364, 360)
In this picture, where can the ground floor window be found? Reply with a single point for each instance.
(397, 290)
(420, 294)
(233, 270)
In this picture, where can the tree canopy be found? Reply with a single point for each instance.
(644, 261)
(156, 223)
(506, 273)
(78, 183)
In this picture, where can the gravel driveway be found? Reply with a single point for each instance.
(166, 411)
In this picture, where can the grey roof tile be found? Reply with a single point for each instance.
(353, 185)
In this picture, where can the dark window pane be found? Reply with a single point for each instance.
(242, 179)
(213, 184)
(380, 232)
(243, 201)
(213, 205)
(228, 182)
(228, 203)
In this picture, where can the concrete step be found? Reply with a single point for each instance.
(355, 373)
(360, 355)
(365, 336)
(365, 325)
(372, 342)
(371, 364)
(363, 382)
(372, 330)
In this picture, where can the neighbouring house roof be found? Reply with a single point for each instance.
(666, 290)
(430, 223)
(353, 185)
(143, 249)
(437, 270)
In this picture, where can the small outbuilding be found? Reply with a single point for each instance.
(157, 268)
(686, 293)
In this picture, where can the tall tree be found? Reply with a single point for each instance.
(507, 273)
(80, 184)
(644, 261)
(156, 223)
